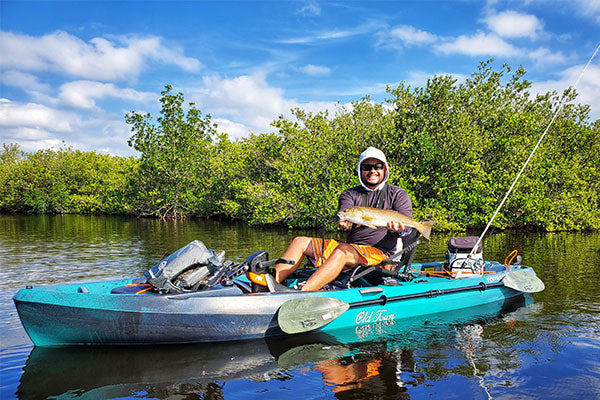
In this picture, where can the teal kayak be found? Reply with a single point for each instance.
(111, 312)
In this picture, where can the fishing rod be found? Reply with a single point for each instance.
(560, 106)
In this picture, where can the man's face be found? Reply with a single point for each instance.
(372, 172)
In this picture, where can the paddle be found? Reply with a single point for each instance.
(309, 313)
(523, 281)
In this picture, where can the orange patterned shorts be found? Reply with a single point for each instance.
(370, 255)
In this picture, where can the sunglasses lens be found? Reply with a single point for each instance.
(368, 167)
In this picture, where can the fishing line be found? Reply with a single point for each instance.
(468, 349)
(560, 106)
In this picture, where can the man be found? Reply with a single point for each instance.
(364, 245)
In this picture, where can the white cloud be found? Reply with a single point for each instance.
(310, 9)
(100, 58)
(545, 57)
(512, 24)
(33, 116)
(34, 127)
(329, 35)
(404, 36)
(477, 45)
(409, 35)
(508, 24)
(314, 70)
(23, 80)
(81, 94)
(333, 34)
(247, 99)
(588, 8)
(247, 103)
(587, 88)
(233, 129)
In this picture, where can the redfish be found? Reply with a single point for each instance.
(376, 217)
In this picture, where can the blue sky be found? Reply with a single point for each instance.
(71, 70)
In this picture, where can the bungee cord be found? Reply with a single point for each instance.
(560, 106)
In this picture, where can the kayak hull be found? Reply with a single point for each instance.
(83, 314)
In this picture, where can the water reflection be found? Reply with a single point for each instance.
(108, 372)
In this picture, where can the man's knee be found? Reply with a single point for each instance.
(347, 252)
(300, 243)
(344, 248)
(301, 240)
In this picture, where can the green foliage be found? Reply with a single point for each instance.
(64, 181)
(455, 147)
(463, 145)
(175, 157)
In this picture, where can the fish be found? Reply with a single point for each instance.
(376, 217)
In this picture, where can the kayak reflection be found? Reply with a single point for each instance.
(377, 361)
(386, 369)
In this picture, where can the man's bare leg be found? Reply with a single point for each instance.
(301, 246)
(343, 255)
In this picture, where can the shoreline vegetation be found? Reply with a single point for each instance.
(455, 147)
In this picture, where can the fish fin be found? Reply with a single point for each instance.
(370, 226)
(425, 229)
(368, 218)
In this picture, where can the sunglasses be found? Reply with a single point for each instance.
(368, 167)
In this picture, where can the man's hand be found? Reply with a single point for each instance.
(395, 226)
(344, 225)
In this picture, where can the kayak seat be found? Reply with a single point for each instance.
(132, 289)
(136, 285)
(394, 268)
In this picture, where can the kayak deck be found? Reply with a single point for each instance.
(88, 313)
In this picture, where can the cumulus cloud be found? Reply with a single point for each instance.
(477, 45)
(248, 103)
(248, 95)
(314, 70)
(235, 130)
(404, 36)
(512, 24)
(409, 35)
(587, 88)
(24, 81)
(588, 8)
(82, 94)
(119, 58)
(33, 116)
(35, 127)
(248, 100)
(503, 26)
(545, 57)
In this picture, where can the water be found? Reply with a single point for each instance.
(546, 349)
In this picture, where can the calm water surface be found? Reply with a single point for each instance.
(545, 347)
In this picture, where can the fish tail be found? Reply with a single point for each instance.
(425, 229)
